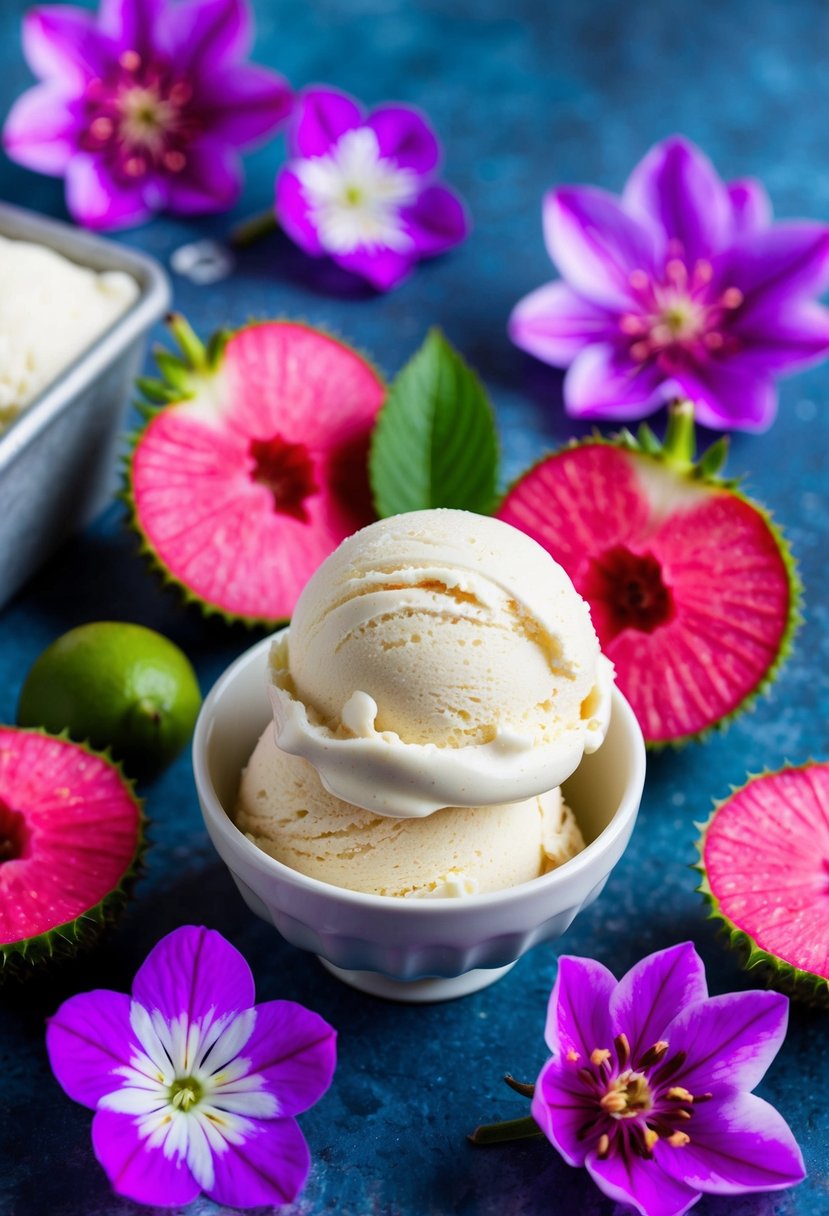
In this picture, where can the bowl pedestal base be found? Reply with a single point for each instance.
(418, 992)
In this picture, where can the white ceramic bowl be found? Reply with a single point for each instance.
(410, 949)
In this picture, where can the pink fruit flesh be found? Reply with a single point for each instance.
(244, 490)
(69, 829)
(688, 591)
(766, 857)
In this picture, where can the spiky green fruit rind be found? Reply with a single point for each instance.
(762, 861)
(69, 819)
(693, 588)
(252, 466)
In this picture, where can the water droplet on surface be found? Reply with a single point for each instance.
(203, 262)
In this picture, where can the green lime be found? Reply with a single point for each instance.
(115, 685)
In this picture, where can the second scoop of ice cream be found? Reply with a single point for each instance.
(440, 658)
(457, 851)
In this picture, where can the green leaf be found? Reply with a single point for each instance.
(156, 390)
(435, 442)
(648, 442)
(173, 371)
(714, 459)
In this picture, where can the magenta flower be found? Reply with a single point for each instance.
(144, 107)
(194, 1089)
(680, 288)
(361, 189)
(649, 1083)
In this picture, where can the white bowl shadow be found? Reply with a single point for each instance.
(410, 949)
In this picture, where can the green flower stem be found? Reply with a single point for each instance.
(680, 440)
(251, 230)
(511, 1129)
(521, 1087)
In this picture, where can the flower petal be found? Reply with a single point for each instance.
(96, 200)
(201, 35)
(295, 1051)
(771, 266)
(737, 1144)
(242, 103)
(652, 992)
(320, 118)
(554, 323)
(603, 382)
(730, 1040)
(193, 970)
(676, 188)
(595, 244)
(87, 1039)
(750, 206)
(63, 43)
(561, 1107)
(383, 268)
(147, 1175)
(775, 340)
(436, 221)
(294, 212)
(729, 395)
(40, 130)
(131, 23)
(578, 1019)
(404, 135)
(210, 181)
(641, 1183)
(268, 1165)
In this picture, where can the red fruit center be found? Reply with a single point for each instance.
(140, 117)
(14, 835)
(630, 588)
(286, 470)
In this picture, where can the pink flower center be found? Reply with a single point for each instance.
(286, 470)
(679, 315)
(634, 1103)
(140, 117)
(631, 590)
(14, 835)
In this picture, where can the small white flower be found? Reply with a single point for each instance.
(356, 195)
(190, 1091)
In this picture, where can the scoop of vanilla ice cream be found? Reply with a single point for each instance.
(285, 810)
(456, 625)
(445, 631)
(51, 310)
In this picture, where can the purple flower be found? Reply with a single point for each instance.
(194, 1089)
(361, 189)
(143, 108)
(680, 288)
(649, 1083)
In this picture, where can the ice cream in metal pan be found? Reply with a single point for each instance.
(51, 310)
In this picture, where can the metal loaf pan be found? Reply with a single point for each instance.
(58, 459)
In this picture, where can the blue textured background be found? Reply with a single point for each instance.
(524, 94)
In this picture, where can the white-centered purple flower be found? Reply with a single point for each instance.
(194, 1088)
(680, 288)
(361, 189)
(144, 106)
(649, 1083)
